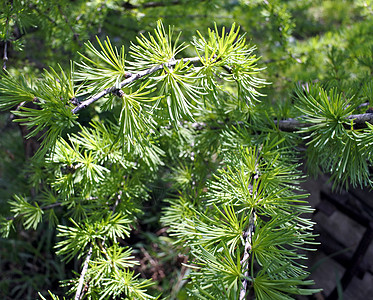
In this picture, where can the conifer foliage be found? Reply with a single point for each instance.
(186, 116)
(242, 225)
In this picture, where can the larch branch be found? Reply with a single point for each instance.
(129, 79)
(47, 207)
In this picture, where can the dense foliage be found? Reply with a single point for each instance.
(162, 158)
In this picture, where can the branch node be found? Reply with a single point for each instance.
(74, 101)
(119, 93)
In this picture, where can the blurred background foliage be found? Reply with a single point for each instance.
(298, 41)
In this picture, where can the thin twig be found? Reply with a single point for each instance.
(182, 278)
(127, 5)
(78, 294)
(246, 256)
(34, 7)
(296, 124)
(130, 78)
(50, 206)
(361, 118)
(290, 124)
(5, 57)
(117, 200)
(75, 34)
(21, 105)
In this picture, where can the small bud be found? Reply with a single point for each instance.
(118, 93)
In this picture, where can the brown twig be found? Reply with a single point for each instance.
(182, 277)
(296, 124)
(75, 34)
(34, 7)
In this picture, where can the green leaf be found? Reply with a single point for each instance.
(31, 214)
(106, 68)
(14, 91)
(155, 50)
